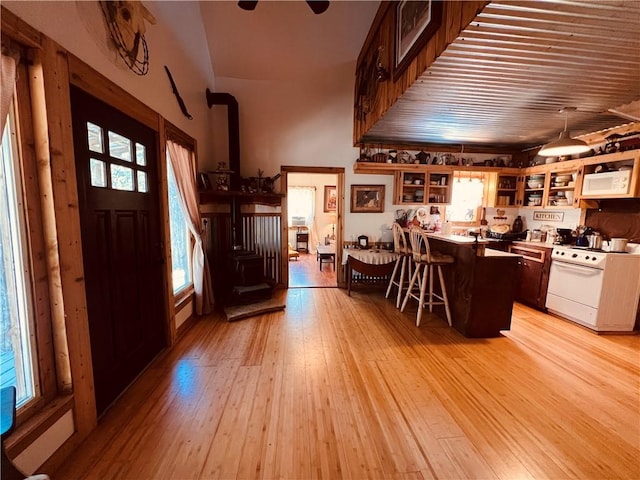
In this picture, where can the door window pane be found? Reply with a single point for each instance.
(95, 138)
(142, 182)
(17, 350)
(98, 173)
(122, 178)
(141, 155)
(180, 236)
(119, 147)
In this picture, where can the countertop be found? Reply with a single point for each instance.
(458, 239)
(469, 242)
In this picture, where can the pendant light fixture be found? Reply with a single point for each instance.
(564, 145)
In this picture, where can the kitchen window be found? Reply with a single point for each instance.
(467, 192)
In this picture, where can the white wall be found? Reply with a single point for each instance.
(46, 444)
(304, 122)
(78, 27)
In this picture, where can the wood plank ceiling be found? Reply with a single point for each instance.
(505, 78)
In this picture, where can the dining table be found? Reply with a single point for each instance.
(367, 266)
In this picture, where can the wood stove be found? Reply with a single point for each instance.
(249, 282)
(241, 279)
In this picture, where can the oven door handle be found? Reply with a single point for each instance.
(587, 271)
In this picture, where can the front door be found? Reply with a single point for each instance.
(117, 170)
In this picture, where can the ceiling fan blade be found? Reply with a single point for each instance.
(318, 6)
(245, 5)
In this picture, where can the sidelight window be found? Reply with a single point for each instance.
(17, 339)
(180, 236)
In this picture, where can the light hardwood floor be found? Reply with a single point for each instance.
(347, 387)
(305, 272)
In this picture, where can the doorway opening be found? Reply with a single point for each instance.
(312, 225)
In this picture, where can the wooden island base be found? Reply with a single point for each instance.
(481, 288)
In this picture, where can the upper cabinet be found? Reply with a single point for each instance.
(611, 176)
(422, 187)
(505, 188)
(567, 184)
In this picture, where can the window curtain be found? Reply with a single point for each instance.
(301, 203)
(8, 85)
(185, 174)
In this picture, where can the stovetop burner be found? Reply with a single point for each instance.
(588, 249)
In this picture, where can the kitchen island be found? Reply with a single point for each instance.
(481, 284)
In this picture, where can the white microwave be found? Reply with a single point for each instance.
(607, 183)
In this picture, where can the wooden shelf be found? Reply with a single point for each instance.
(222, 196)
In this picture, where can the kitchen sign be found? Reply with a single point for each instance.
(548, 216)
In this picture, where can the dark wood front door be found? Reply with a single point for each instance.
(117, 170)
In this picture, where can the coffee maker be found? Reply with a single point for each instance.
(564, 236)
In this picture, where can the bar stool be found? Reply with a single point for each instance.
(425, 259)
(403, 262)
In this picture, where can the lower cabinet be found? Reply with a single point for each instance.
(532, 275)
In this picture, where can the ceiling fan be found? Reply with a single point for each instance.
(317, 6)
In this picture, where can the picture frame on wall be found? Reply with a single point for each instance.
(367, 198)
(416, 22)
(330, 198)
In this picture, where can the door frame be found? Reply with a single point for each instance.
(339, 172)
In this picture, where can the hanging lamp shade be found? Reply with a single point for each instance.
(564, 145)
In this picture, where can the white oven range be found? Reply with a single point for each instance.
(597, 289)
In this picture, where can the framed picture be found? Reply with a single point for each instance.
(416, 22)
(367, 198)
(330, 198)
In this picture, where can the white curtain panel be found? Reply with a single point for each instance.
(184, 171)
(8, 84)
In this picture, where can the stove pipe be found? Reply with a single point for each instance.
(233, 127)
